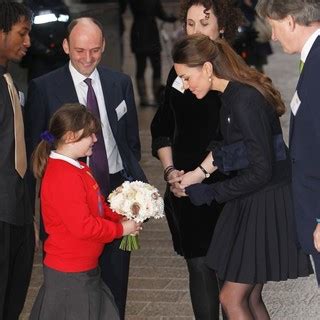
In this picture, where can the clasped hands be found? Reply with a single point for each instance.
(189, 184)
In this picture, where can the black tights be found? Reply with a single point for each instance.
(204, 290)
(243, 301)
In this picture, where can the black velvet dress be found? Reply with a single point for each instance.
(255, 239)
(188, 125)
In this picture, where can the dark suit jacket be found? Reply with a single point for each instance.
(14, 202)
(49, 92)
(305, 150)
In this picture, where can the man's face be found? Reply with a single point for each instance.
(284, 32)
(15, 43)
(84, 47)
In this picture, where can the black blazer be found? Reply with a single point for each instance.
(14, 200)
(247, 119)
(305, 150)
(49, 92)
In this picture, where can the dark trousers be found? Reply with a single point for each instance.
(141, 62)
(16, 259)
(114, 263)
(204, 289)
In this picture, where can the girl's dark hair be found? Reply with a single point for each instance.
(12, 13)
(229, 17)
(196, 50)
(70, 117)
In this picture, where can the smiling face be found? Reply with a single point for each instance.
(200, 20)
(15, 43)
(85, 47)
(196, 79)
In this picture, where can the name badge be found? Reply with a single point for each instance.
(21, 98)
(178, 84)
(295, 103)
(121, 109)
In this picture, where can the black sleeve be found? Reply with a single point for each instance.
(162, 125)
(255, 127)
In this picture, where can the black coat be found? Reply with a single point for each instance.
(188, 125)
(144, 32)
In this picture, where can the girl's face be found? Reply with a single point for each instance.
(83, 147)
(200, 20)
(196, 79)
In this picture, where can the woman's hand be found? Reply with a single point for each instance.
(316, 237)
(191, 177)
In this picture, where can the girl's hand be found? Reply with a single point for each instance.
(131, 227)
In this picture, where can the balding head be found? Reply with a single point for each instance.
(84, 44)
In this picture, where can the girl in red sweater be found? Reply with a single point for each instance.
(77, 220)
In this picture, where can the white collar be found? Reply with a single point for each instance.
(79, 78)
(58, 156)
(308, 45)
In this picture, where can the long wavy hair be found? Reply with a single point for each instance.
(197, 49)
(70, 117)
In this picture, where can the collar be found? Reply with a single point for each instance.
(58, 156)
(308, 45)
(78, 78)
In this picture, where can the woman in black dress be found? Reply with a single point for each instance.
(254, 239)
(181, 132)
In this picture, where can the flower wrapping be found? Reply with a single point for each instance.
(136, 201)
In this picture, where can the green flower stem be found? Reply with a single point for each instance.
(130, 243)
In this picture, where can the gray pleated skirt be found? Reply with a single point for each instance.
(74, 296)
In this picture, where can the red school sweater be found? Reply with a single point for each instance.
(76, 218)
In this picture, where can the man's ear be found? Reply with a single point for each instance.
(291, 22)
(65, 46)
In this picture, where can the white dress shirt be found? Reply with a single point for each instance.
(308, 45)
(114, 159)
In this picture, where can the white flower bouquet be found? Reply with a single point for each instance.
(136, 201)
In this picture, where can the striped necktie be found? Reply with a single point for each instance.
(20, 156)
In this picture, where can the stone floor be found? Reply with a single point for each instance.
(158, 285)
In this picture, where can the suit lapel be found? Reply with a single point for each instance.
(66, 91)
(292, 117)
(109, 91)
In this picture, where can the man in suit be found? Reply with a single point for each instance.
(114, 95)
(16, 218)
(296, 25)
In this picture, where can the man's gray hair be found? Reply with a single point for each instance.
(304, 12)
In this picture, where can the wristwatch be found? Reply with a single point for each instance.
(206, 173)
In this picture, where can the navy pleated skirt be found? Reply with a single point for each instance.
(74, 296)
(255, 240)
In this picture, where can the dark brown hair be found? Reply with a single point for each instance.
(11, 13)
(197, 49)
(229, 17)
(70, 117)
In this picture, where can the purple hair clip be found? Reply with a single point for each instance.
(48, 137)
